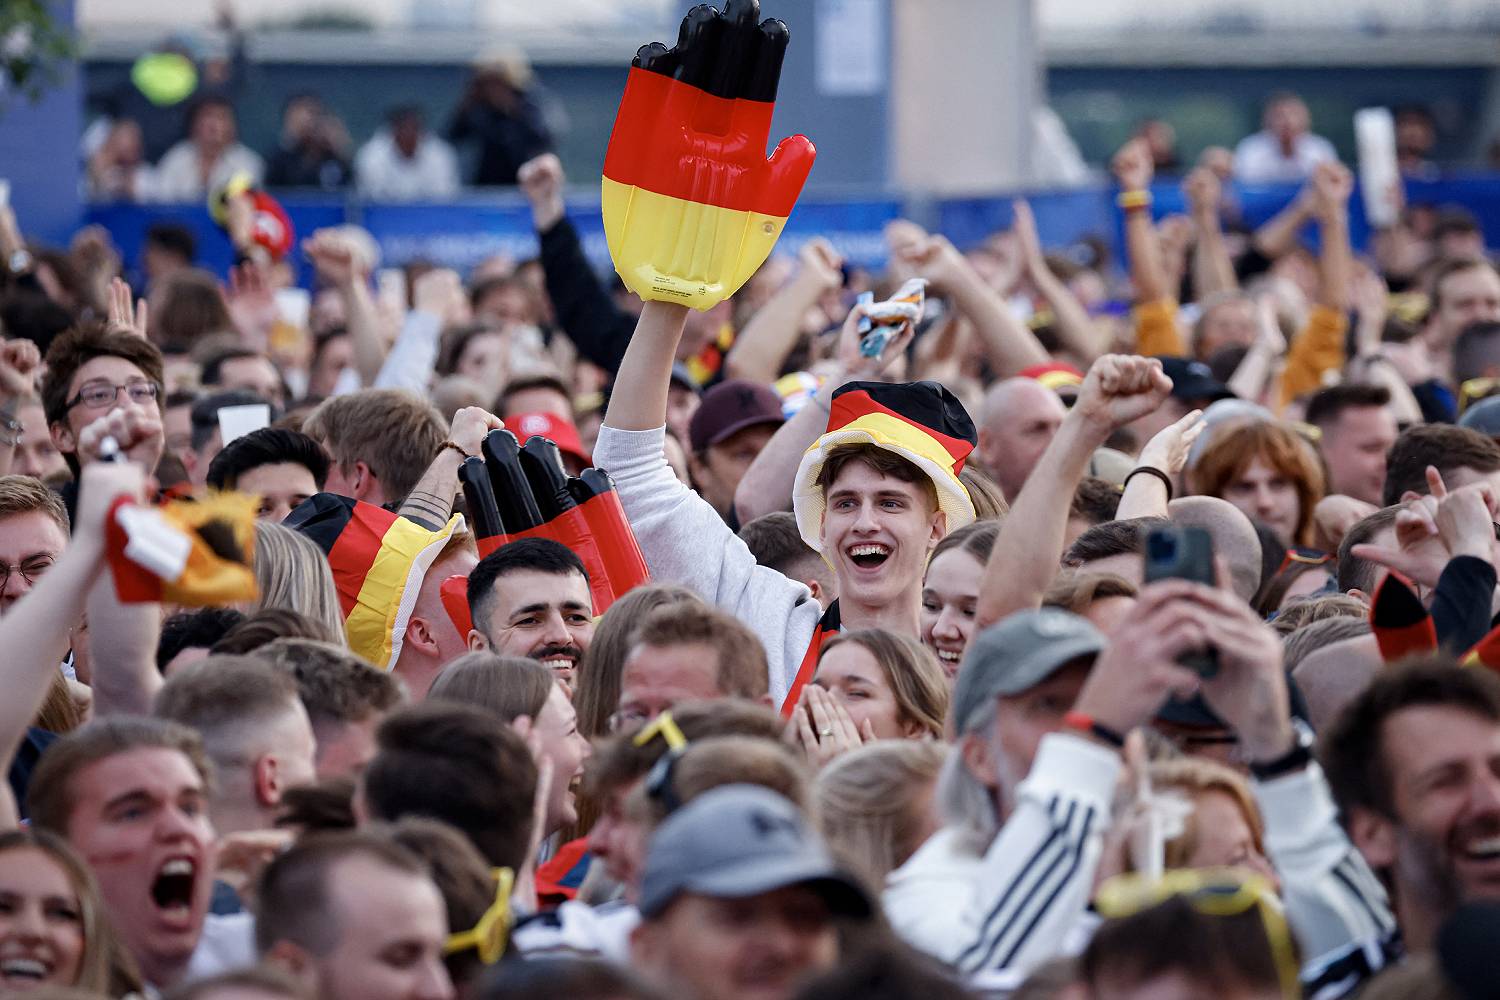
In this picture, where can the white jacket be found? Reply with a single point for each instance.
(1334, 902)
(1013, 907)
(685, 541)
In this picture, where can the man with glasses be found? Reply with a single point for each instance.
(93, 370)
(33, 533)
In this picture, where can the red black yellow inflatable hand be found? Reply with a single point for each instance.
(691, 204)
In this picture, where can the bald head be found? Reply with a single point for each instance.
(1233, 536)
(1333, 676)
(1017, 422)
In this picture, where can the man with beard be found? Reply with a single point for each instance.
(1414, 762)
(531, 598)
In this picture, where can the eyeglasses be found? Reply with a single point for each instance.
(489, 936)
(1213, 892)
(29, 569)
(99, 395)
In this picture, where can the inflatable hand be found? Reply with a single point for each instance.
(523, 491)
(691, 204)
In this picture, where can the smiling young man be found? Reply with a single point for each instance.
(531, 598)
(91, 371)
(874, 495)
(129, 794)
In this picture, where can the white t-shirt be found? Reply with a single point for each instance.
(1258, 158)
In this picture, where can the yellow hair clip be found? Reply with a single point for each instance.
(489, 935)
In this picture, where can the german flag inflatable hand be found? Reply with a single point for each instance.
(691, 204)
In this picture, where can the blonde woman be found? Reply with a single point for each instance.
(870, 685)
(874, 805)
(292, 572)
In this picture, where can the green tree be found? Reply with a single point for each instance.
(35, 48)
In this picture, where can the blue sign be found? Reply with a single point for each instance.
(462, 234)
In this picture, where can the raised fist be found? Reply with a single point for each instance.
(691, 204)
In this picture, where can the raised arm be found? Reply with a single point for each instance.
(437, 300)
(1319, 346)
(34, 632)
(1118, 389)
(19, 360)
(1333, 183)
(1132, 168)
(1167, 451)
(762, 346)
(339, 265)
(767, 484)
(1011, 347)
(581, 304)
(430, 502)
(1253, 374)
(1074, 327)
(1213, 271)
(1156, 331)
(1277, 236)
(125, 679)
(647, 369)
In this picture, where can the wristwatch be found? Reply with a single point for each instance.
(1295, 759)
(20, 261)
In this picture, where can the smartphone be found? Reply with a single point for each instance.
(1177, 553)
(4, 192)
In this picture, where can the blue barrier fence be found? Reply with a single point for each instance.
(462, 233)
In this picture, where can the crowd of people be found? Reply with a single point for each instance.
(169, 132)
(906, 707)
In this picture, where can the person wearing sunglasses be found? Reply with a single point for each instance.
(1190, 934)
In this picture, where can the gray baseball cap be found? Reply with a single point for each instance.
(738, 841)
(1016, 654)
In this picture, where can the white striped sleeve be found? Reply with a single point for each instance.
(1034, 880)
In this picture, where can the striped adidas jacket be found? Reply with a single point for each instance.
(1014, 906)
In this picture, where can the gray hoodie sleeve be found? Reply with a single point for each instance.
(685, 541)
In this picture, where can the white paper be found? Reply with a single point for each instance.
(237, 421)
(850, 56)
(1379, 177)
(293, 305)
(152, 542)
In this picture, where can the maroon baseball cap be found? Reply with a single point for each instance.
(729, 408)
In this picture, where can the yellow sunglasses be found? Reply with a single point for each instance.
(490, 934)
(1475, 389)
(665, 727)
(1215, 892)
